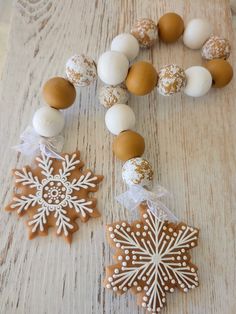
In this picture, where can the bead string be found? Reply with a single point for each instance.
(121, 77)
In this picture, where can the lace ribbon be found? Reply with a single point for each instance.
(32, 143)
(136, 194)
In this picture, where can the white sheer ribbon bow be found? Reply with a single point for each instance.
(32, 143)
(136, 194)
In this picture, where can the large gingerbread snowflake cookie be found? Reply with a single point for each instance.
(152, 258)
(55, 193)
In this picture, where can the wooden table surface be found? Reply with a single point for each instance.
(190, 142)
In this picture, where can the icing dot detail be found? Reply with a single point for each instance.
(156, 260)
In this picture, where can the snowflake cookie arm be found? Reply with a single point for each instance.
(84, 207)
(38, 222)
(22, 203)
(26, 179)
(61, 219)
(26, 185)
(112, 271)
(87, 181)
(45, 164)
(66, 223)
(70, 170)
(187, 237)
(70, 164)
(181, 270)
(131, 257)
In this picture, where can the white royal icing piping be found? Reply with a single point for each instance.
(54, 193)
(159, 258)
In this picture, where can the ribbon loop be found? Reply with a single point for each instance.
(32, 144)
(136, 194)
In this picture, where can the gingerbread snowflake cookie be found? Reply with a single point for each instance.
(55, 193)
(152, 258)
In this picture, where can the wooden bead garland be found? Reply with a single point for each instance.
(140, 78)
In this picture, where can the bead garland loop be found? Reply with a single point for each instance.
(122, 75)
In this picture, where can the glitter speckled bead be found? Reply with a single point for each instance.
(172, 79)
(81, 70)
(216, 48)
(137, 171)
(145, 31)
(111, 95)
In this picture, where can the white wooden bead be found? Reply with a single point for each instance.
(127, 44)
(112, 67)
(119, 117)
(199, 81)
(196, 33)
(48, 121)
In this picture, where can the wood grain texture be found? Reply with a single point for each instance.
(190, 142)
(5, 19)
